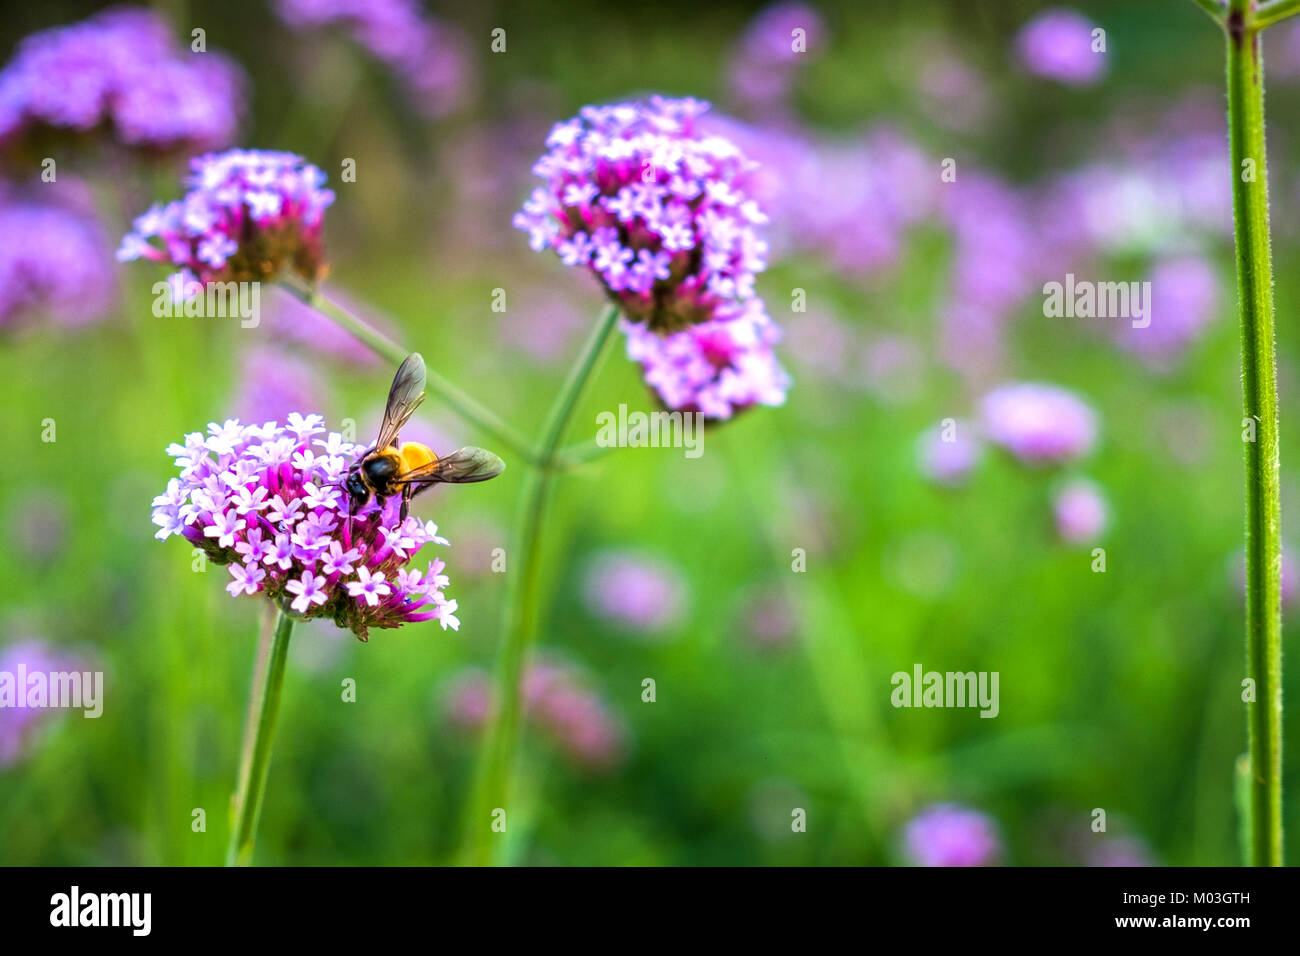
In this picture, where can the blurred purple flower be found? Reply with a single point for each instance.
(429, 56)
(769, 618)
(947, 834)
(634, 591)
(272, 384)
(1119, 851)
(557, 700)
(1184, 296)
(54, 259)
(1057, 44)
(1038, 423)
(292, 320)
(19, 725)
(249, 215)
(121, 69)
(763, 65)
(1080, 511)
(948, 456)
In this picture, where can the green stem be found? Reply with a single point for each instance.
(467, 407)
(520, 609)
(1259, 389)
(1270, 13)
(259, 735)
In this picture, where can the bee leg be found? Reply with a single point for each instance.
(406, 501)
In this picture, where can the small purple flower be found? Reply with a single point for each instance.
(1058, 44)
(428, 55)
(1038, 423)
(770, 49)
(949, 452)
(947, 834)
(635, 591)
(1080, 511)
(19, 725)
(54, 260)
(1184, 296)
(716, 368)
(1119, 851)
(294, 542)
(122, 70)
(308, 589)
(558, 701)
(271, 205)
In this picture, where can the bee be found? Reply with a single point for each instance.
(392, 467)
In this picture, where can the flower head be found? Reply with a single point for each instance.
(660, 212)
(122, 71)
(54, 261)
(19, 724)
(948, 834)
(716, 368)
(249, 215)
(426, 54)
(947, 456)
(635, 591)
(1058, 44)
(1039, 424)
(266, 501)
(1080, 511)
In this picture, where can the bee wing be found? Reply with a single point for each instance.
(403, 398)
(460, 467)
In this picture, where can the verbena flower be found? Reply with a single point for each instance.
(948, 834)
(558, 701)
(425, 53)
(763, 65)
(266, 502)
(248, 216)
(1184, 296)
(716, 368)
(1080, 511)
(53, 261)
(1057, 44)
(121, 70)
(949, 462)
(1039, 424)
(635, 591)
(658, 211)
(20, 725)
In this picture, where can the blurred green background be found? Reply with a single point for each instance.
(1119, 690)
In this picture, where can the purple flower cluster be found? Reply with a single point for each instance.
(267, 502)
(948, 834)
(764, 63)
(426, 54)
(947, 458)
(717, 367)
(1184, 296)
(634, 591)
(661, 213)
(557, 700)
(54, 259)
(1057, 44)
(1080, 511)
(1038, 423)
(248, 216)
(121, 70)
(19, 725)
